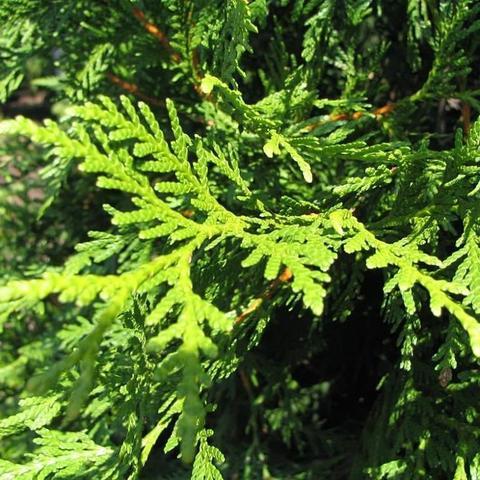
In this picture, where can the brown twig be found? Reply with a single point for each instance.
(385, 110)
(335, 117)
(153, 30)
(134, 89)
(175, 56)
(284, 277)
(188, 213)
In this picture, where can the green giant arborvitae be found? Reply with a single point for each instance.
(239, 239)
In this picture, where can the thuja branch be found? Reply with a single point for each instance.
(378, 113)
(134, 89)
(152, 29)
(406, 258)
(256, 303)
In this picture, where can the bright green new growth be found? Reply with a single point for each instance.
(217, 216)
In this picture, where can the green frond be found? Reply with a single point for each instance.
(234, 37)
(60, 455)
(204, 467)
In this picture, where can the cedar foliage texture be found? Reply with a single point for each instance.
(239, 239)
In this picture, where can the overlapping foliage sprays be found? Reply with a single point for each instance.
(239, 239)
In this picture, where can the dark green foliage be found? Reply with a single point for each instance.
(239, 239)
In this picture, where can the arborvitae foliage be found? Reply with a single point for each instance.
(244, 243)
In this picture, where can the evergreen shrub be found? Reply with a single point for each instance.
(239, 239)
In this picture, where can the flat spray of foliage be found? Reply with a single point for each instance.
(245, 242)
